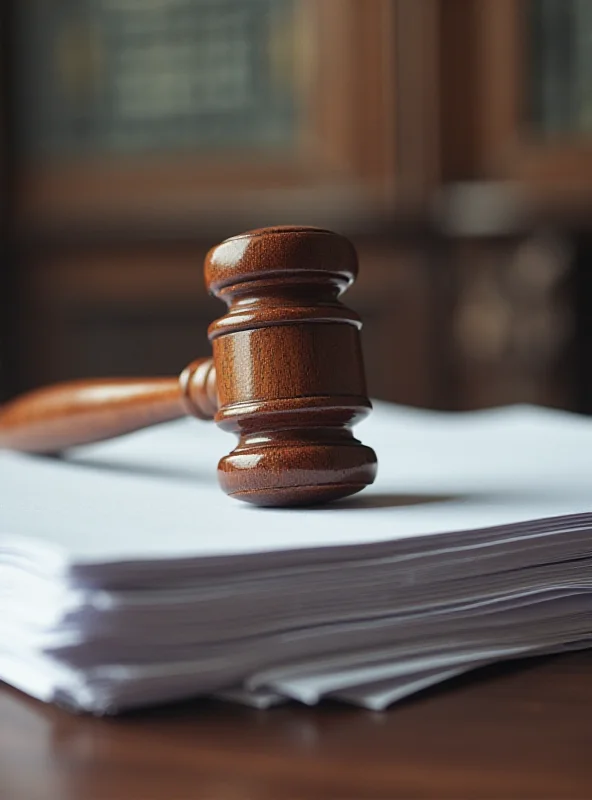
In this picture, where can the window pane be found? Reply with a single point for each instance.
(132, 76)
(561, 75)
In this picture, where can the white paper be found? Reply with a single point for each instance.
(127, 577)
(154, 495)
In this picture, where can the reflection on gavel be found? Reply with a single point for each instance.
(286, 376)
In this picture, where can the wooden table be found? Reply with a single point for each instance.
(522, 730)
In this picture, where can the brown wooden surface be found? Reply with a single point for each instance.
(289, 367)
(517, 731)
(54, 418)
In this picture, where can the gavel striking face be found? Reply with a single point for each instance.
(286, 377)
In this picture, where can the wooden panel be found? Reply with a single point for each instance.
(459, 100)
(417, 102)
(392, 295)
(512, 322)
(139, 312)
(116, 313)
(510, 145)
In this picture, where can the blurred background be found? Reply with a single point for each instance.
(451, 140)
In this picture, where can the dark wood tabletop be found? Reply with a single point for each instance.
(521, 730)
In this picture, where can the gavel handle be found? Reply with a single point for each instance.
(57, 417)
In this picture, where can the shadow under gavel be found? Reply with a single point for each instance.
(286, 376)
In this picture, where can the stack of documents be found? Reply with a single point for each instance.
(127, 578)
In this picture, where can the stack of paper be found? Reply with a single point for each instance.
(128, 578)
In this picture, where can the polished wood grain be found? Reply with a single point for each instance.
(287, 376)
(516, 731)
(54, 418)
(289, 364)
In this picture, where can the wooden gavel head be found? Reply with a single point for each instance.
(290, 377)
(286, 376)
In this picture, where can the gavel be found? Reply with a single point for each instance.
(286, 376)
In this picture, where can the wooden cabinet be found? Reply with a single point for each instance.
(451, 139)
(517, 99)
(151, 130)
(516, 156)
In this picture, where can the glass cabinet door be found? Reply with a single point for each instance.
(163, 107)
(104, 77)
(532, 89)
(560, 67)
